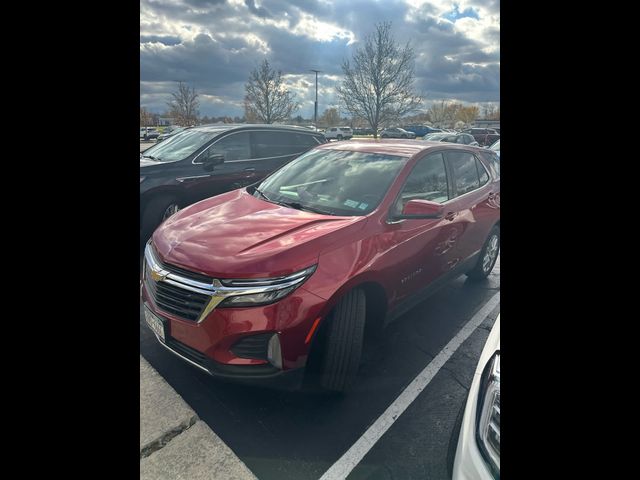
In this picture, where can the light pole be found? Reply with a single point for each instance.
(315, 105)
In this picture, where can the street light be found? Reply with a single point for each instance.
(315, 106)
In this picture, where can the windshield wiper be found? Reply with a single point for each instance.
(151, 157)
(256, 189)
(299, 206)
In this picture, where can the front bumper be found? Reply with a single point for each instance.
(211, 343)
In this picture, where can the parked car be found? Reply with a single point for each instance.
(396, 132)
(478, 446)
(462, 138)
(496, 147)
(254, 282)
(484, 136)
(149, 133)
(170, 133)
(363, 131)
(338, 133)
(203, 161)
(420, 130)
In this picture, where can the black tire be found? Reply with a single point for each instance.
(154, 214)
(482, 269)
(343, 345)
(339, 137)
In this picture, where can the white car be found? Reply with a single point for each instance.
(338, 133)
(478, 451)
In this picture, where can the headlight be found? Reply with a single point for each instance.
(488, 415)
(142, 179)
(261, 291)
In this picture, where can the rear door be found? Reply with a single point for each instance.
(470, 210)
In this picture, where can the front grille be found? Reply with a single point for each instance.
(252, 346)
(178, 301)
(198, 277)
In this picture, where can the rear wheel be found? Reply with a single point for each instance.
(343, 345)
(488, 256)
(157, 211)
(339, 137)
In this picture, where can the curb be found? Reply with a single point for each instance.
(174, 442)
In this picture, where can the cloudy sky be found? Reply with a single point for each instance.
(213, 45)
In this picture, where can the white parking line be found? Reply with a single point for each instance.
(358, 450)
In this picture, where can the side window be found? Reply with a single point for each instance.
(234, 147)
(450, 139)
(427, 181)
(482, 172)
(494, 161)
(465, 172)
(274, 144)
(302, 142)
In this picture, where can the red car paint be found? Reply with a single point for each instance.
(236, 235)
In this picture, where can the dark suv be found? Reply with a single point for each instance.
(204, 161)
(262, 281)
(484, 136)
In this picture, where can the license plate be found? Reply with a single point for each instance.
(155, 324)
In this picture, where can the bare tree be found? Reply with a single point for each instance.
(468, 114)
(145, 117)
(184, 105)
(330, 118)
(378, 83)
(266, 95)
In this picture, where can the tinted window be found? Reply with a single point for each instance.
(234, 147)
(450, 139)
(277, 144)
(494, 161)
(482, 172)
(465, 172)
(467, 139)
(180, 145)
(427, 181)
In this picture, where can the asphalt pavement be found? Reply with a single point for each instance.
(299, 435)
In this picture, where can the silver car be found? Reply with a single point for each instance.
(396, 133)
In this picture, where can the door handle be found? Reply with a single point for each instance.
(451, 216)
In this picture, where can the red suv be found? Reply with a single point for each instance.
(252, 283)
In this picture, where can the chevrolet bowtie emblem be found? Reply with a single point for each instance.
(157, 276)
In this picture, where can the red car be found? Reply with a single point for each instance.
(252, 283)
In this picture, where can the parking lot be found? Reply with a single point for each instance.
(298, 434)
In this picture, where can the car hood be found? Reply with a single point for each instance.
(147, 162)
(236, 235)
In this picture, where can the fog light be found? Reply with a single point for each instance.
(274, 355)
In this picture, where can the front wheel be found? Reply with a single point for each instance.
(488, 256)
(157, 211)
(343, 346)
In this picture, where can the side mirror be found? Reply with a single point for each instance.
(212, 160)
(421, 209)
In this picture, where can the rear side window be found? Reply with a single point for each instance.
(482, 172)
(465, 172)
(278, 144)
(494, 161)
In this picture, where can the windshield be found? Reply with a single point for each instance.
(334, 182)
(496, 146)
(180, 146)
